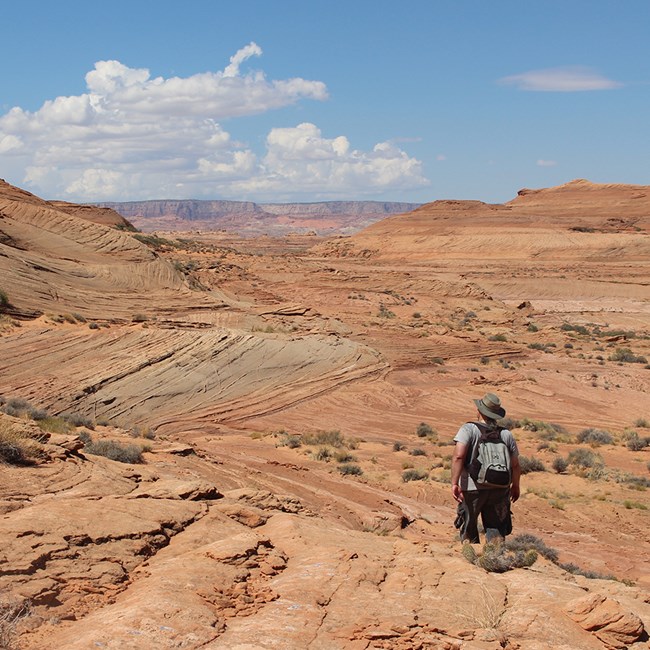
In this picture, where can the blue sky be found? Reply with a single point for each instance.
(322, 100)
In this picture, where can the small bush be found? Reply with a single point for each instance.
(595, 437)
(12, 614)
(579, 329)
(533, 328)
(531, 465)
(625, 355)
(4, 300)
(79, 420)
(593, 575)
(417, 452)
(414, 475)
(636, 442)
(498, 337)
(424, 431)
(93, 326)
(526, 541)
(344, 457)
(332, 438)
(115, 451)
(54, 425)
(585, 458)
(398, 446)
(293, 442)
(349, 468)
(497, 558)
(642, 423)
(322, 454)
(560, 464)
(15, 447)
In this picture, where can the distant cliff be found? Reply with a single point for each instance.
(327, 217)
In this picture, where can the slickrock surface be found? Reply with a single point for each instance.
(256, 375)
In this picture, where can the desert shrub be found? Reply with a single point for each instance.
(497, 558)
(526, 541)
(560, 464)
(642, 423)
(625, 355)
(332, 438)
(4, 299)
(579, 329)
(547, 430)
(417, 452)
(584, 458)
(114, 450)
(54, 424)
(343, 456)
(531, 465)
(414, 475)
(293, 442)
(85, 437)
(636, 442)
(532, 327)
(18, 404)
(498, 337)
(384, 312)
(12, 614)
(595, 437)
(398, 446)
(425, 431)
(636, 482)
(93, 326)
(593, 575)
(80, 420)
(322, 454)
(509, 423)
(37, 414)
(634, 504)
(16, 448)
(538, 346)
(350, 468)
(155, 242)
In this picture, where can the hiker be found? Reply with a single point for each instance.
(480, 486)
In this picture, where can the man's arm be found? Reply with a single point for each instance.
(516, 475)
(457, 463)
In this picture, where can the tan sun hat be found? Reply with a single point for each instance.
(490, 406)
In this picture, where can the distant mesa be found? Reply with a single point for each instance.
(254, 219)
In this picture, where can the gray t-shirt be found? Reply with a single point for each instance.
(468, 435)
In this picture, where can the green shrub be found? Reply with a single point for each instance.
(625, 355)
(498, 337)
(4, 300)
(349, 468)
(123, 453)
(593, 575)
(595, 437)
(414, 475)
(642, 423)
(580, 329)
(532, 327)
(417, 452)
(531, 465)
(398, 446)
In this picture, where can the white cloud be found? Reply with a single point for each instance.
(131, 136)
(563, 79)
(546, 163)
(300, 161)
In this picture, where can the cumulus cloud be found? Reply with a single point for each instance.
(563, 79)
(300, 161)
(134, 136)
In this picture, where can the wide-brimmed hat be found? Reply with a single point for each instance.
(490, 406)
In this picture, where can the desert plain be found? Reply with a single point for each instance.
(294, 402)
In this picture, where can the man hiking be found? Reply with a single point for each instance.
(485, 473)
